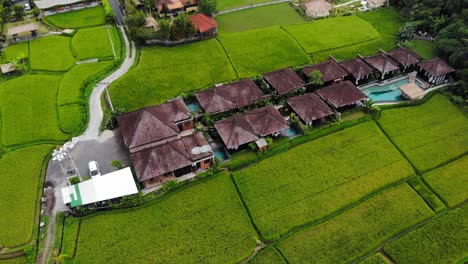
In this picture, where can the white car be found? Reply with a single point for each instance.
(27, 7)
(94, 169)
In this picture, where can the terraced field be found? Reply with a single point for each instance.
(87, 17)
(42, 57)
(284, 191)
(95, 42)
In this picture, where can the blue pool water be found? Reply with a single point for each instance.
(388, 92)
(194, 107)
(220, 155)
(290, 132)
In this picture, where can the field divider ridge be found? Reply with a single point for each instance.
(227, 56)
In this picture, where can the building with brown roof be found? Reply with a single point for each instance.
(151, 126)
(318, 8)
(229, 96)
(383, 64)
(161, 163)
(358, 69)
(435, 71)
(242, 129)
(342, 95)
(310, 108)
(284, 81)
(177, 6)
(330, 69)
(406, 58)
(205, 25)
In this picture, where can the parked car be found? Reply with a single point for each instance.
(94, 169)
(27, 7)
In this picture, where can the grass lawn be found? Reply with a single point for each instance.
(428, 134)
(74, 81)
(331, 33)
(319, 177)
(375, 259)
(93, 43)
(258, 17)
(87, 17)
(164, 73)
(442, 240)
(267, 256)
(424, 48)
(385, 20)
(450, 181)
(29, 109)
(358, 230)
(259, 51)
(231, 4)
(13, 51)
(19, 183)
(205, 223)
(51, 53)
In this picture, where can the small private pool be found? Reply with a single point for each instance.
(194, 107)
(221, 155)
(387, 92)
(290, 132)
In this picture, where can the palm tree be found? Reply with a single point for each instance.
(58, 258)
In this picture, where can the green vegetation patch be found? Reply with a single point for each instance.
(358, 230)
(12, 52)
(93, 43)
(450, 181)
(424, 48)
(74, 81)
(375, 259)
(256, 52)
(20, 180)
(51, 53)
(428, 134)
(231, 4)
(258, 17)
(431, 199)
(29, 109)
(385, 20)
(267, 256)
(442, 240)
(331, 33)
(72, 118)
(319, 177)
(87, 17)
(204, 223)
(70, 236)
(19, 260)
(164, 73)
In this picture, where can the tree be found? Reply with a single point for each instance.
(58, 258)
(316, 78)
(135, 19)
(164, 9)
(164, 31)
(207, 7)
(19, 11)
(406, 32)
(20, 63)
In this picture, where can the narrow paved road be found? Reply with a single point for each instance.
(92, 132)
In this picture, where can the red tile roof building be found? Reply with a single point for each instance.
(309, 107)
(229, 96)
(205, 25)
(251, 126)
(342, 94)
(284, 81)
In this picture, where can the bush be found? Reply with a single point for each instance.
(74, 180)
(109, 13)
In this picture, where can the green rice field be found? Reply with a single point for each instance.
(87, 17)
(430, 134)
(20, 180)
(358, 230)
(450, 181)
(442, 240)
(94, 42)
(375, 259)
(385, 20)
(72, 118)
(231, 4)
(13, 51)
(283, 192)
(267, 256)
(43, 57)
(259, 17)
(204, 223)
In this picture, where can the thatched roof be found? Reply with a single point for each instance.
(318, 8)
(284, 81)
(342, 94)
(330, 70)
(436, 67)
(26, 28)
(309, 107)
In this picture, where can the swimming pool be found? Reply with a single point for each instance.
(387, 92)
(290, 132)
(194, 107)
(220, 155)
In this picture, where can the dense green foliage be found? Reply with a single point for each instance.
(442, 240)
(93, 43)
(267, 256)
(13, 51)
(51, 53)
(205, 223)
(165, 73)
(424, 48)
(428, 134)
(259, 51)
(449, 181)
(357, 230)
(332, 33)
(87, 17)
(375, 259)
(259, 17)
(315, 179)
(20, 180)
(28, 109)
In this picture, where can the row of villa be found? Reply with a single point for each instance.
(163, 144)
